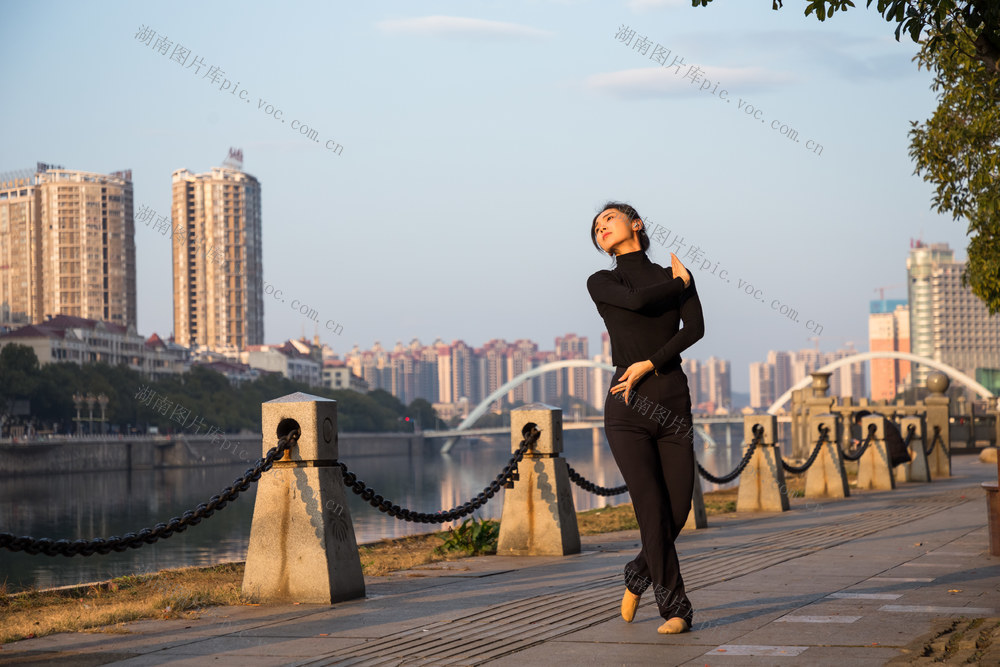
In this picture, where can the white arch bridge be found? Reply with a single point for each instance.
(466, 427)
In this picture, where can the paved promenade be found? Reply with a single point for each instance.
(864, 581)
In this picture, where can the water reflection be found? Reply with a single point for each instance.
(86, 505)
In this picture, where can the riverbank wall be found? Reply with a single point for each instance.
(43, 457)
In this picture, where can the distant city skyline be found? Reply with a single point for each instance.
(472, 144)
(56, 225)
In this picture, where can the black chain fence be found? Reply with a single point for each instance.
(587, 485)
(160, 531)
(758, 434)
(934, 441)
(507, 477)
(859, 452)
(824, 436)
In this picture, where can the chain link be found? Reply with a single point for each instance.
(587, 485)
(859, 452)
(758, 435)
(160, 531)
(934, 440)
(824, 436)
(507, 477)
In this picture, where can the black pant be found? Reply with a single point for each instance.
(652, 440)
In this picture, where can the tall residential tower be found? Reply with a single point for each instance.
(67, 246)
(218, 267)
(948, 323)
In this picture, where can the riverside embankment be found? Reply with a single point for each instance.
(96, 454)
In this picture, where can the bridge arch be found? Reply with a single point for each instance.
(481, 409)
(948, 370)
(513, 383)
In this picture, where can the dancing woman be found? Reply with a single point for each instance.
(647, 412)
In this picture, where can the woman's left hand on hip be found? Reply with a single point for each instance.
(632, 375)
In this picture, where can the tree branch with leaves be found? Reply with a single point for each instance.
(972, 24)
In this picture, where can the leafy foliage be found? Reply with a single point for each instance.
(473, 537)
(958, 151)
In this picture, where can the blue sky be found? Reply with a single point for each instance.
(479, 140)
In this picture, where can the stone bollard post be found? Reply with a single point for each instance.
(874, 467)
(826, 477)
(697, 517)
(762, 482)
(916, 470)
(818, 402)
(539, 518)
(302, 544)
(936, 404)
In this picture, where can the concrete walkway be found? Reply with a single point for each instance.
(861, 581)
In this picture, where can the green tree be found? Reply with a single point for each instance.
(421, 410)
(388, 401)
(958, 151)
(18, 375)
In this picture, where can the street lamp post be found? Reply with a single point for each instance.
(102, 400)
(78, 402)
(90, 417)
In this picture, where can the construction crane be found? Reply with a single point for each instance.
(881, 292)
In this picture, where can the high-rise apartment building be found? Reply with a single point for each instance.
(718, 384)
(218, 267)
(762, 384)
(948, 323)
(67, 246)
(709, 384)
(966, 336)
(578, 381)
(464, 373)
(784, 377)
(697, 385)
(847, 380)
(601, 378)
(889, 331)
(920, 264)
(521, 359)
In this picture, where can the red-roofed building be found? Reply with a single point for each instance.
(80, 340)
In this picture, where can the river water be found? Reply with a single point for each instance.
(88, 505)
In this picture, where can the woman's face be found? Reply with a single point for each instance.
(614, 233)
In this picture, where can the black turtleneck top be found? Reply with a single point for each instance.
(642, 305)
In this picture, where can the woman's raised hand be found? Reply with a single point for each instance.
(679, 271)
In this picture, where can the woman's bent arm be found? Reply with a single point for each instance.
(604, 288)
(686, 336)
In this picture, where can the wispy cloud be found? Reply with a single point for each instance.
(665, 82)
(459, 26)
(821, 51)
